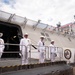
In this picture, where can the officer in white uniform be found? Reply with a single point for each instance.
(41, 49)
(24, 47)
(52, 51)
(1, 45)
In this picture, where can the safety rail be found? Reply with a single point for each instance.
(33, 54)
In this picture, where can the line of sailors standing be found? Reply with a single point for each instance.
(25, 48)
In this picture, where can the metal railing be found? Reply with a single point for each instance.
(33, 54)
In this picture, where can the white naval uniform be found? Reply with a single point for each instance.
(24, 49)
(1, 46)
(52, 52)
(41, 49)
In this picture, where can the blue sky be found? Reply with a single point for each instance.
(48, 11)
(6, 1)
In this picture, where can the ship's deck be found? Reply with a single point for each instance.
(15, 61)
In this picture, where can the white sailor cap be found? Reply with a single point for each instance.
(1, 34)
(26, 34)
(42, 37)
(52, 40)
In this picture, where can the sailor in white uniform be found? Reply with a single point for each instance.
(52, 51)
(24, 47)
(41, 49)
(1, 45)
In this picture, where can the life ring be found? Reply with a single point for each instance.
(67, 54)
